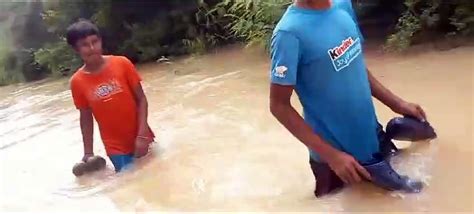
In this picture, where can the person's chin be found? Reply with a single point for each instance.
(95, 58)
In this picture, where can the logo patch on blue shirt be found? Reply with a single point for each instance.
(280, 71)
(342, 55)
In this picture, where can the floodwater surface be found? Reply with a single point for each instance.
(219, 148)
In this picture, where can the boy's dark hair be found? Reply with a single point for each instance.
(80, 30)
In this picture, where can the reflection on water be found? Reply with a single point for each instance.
(220, 149)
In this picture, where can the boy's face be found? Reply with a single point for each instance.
(89, 48)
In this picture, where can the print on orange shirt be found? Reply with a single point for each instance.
(105, 90)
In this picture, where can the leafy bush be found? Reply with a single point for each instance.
(19, 65)
(438, 16)
(210, 29)
(58, 58)
(463, 18)
(21, 31)
(253, 21)
(5, 76)
(144, 42)
(407, 26)
(198, 45)
(8, 76)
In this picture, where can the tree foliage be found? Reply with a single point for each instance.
(33, 43)
(440, 17)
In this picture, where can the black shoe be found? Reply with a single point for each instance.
(409, 129)
(384, 176)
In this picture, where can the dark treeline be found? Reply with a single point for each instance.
(33, 44)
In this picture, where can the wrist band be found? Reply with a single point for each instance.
(143, 137)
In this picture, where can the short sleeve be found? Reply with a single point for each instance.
(80, 100)
(351, 12)
(132, 76)
(285, 54)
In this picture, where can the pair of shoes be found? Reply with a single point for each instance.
(399, 128)
(383, 175)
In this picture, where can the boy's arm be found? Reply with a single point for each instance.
(142, 104)
(344, 165)
(143, 138)
(87, 129)
(143, 133)
(86, 119)
(394, 102)
(134, 80)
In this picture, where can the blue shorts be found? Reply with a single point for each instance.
(121, 161)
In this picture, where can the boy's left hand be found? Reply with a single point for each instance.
(141, 146)
(410, 109)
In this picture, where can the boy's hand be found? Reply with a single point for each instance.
(141, 146)
(87, 156)
(410, 109)
(347, 168)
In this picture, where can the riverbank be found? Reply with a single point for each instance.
(373, 47)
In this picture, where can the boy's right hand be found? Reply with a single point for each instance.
(142, 146)
(347, 167)
(86, 157)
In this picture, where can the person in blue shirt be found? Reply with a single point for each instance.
(316, 51)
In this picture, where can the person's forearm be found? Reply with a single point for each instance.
(290, 118)
(142, 117)
(381, 93)
(87, 129)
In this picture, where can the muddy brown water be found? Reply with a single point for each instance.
(220, 149)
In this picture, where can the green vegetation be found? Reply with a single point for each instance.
(438, 17)
(6, 75)
(140, 30)
(58, 58)
(252, 21)
(146, 30)
(22, 33)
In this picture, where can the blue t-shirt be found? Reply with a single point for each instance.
(320, 53)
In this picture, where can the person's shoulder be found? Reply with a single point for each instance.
(284, 34)
(288, 26)
(77, 76)
(342, 2)
(288, 21)
(292, 22)
(118, 59)
(344, 5)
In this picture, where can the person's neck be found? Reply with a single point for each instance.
(313, 4)
(96, 66)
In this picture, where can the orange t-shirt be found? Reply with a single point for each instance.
(109, 94)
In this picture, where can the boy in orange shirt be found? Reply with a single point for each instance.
(108, 89)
